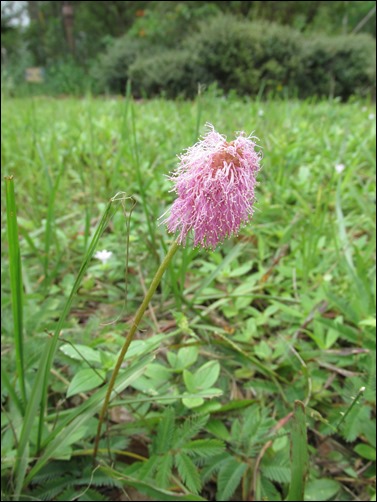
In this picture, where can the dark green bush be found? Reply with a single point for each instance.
(241, 55)
(170, 73)
(111, 71)
(246, 57)
(337, 66)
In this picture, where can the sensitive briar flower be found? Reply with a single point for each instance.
(215, 182)
(103, 256)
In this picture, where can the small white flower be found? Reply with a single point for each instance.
(371, 116)
(103, 256)
(260, 113)
(339, 168)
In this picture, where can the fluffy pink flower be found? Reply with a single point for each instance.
(215, 182)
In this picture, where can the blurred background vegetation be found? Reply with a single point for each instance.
(299, 49)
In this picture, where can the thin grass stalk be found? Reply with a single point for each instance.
(139, 315)
(50, 224)
(15, 271)
(354, 402)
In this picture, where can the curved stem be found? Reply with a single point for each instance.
(139, 315)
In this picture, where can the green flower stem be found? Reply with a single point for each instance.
(139, 315)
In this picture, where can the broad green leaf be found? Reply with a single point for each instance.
(192, 402)
(81, 352)
(209, 407)
(207, 375)
(85, 380)
(371, 321)
(236, 404)
(321, 489)
(210, 393)
(64, 453)
(190, 381)
(263, 350)
(186, 357)
(136, 348)
(366, 451)
(158, 373)
(292, 312)
(242, 269)
(280, 443)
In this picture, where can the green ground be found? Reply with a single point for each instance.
(283, 312)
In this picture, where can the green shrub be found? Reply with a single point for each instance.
(226, 50)
(337, 66)
(111, 70)
(241, 55)
(246, 57)
(170, 73)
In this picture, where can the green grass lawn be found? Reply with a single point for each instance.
(285, 311)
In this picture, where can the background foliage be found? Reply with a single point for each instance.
(169, 48)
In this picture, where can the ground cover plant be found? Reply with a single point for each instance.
(283, 313)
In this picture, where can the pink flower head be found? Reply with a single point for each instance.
(215, 183)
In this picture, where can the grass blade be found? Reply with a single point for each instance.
(299, 454)
(15, 271)
(11, 390)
